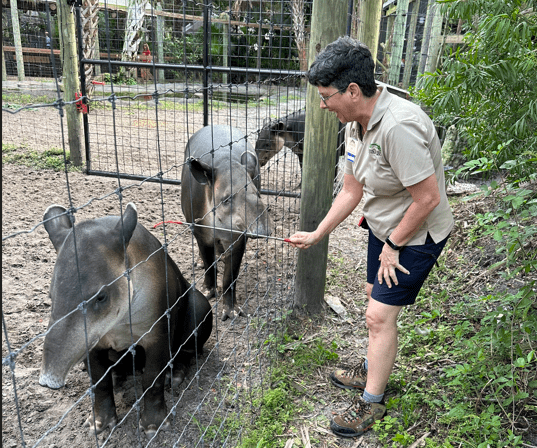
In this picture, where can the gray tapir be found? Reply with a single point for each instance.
(96, 308)
(220, 191)
(288, 131)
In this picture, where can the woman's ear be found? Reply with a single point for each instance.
(354, 90)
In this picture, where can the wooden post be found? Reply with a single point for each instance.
(398, 42)
(225, 52)
(4, 69)
(370, 25)
(17, 39)
(160, 43)
(71, 76)
(97, 51)
(409, 54)
(328, 23)
(435, 41)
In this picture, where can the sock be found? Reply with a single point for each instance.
(372, 398)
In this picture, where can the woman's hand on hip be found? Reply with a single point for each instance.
(389, 262)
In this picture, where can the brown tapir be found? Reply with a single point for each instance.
(220, 191)
(97, 311)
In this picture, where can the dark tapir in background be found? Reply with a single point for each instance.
(90, 310)
(289, 131)
(220, 190)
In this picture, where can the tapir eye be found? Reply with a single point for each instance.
(101, 297)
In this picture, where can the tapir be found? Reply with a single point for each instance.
(220, 186)
(288, 131)
(112, 286)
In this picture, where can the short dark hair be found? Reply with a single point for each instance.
(344, 61)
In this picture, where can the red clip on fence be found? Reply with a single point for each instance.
(80, 106)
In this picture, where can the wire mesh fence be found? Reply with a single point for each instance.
(135, 135)
(151, 76)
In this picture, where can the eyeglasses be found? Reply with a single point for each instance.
(326, 98)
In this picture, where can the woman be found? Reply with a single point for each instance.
(394, 163)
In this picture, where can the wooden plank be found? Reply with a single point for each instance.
(31, 50)
(455, 39)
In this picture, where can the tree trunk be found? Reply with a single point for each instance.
(133, 29)
(297, 12)
(17, 39)
(69, 60)
(431, 8)
(436, 40)
(388, 48)
(328, 23)
(409, 57)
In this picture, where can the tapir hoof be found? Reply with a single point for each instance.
(151, 429)
(177, 378)
(230, 313)
(100, 424)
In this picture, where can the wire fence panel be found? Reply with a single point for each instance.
(139, 119)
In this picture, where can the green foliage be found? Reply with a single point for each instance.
(487, 89)
(470, 369)
(121, 77)
(487, 86)
(16, 99)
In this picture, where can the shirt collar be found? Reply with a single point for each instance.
(381, 106)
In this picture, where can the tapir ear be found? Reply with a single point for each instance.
(130, 220)
(279, 126)
(202, 173)
(57, 224)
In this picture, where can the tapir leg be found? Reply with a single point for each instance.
(105, 407)
(154, 412)
(231, 273)
(207, 255)
(195, 329)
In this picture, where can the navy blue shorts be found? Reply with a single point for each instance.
(418, 260)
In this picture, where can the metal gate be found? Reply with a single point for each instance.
(249, 73)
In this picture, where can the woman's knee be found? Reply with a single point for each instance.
(381, 319)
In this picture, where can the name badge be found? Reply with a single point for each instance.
(352, 147)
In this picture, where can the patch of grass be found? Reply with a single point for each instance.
(52, 159)
(336, 276)
(276, 409)
(23, 99)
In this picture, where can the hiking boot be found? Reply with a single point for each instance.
(353, 378)
(358, 418)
